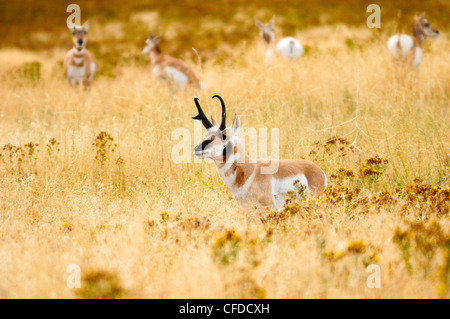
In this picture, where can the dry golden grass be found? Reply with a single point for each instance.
(140, 225)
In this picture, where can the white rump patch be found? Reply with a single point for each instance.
(400, 45)
(289, 48)
(179, 77)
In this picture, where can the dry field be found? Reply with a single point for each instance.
(89, 179)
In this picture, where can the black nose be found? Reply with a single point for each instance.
(80, 42)
(198, 148)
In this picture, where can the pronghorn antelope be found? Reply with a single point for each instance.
(247, 179)
(288, 47)
(168, 69)
(79, 63)
(405, 47)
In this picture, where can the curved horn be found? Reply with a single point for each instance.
(224, 113)
(201, 116)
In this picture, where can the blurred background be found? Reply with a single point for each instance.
(214, 29)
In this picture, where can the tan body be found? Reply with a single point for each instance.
(250, 183)
(254, 182)
(161, 63)
(168, 69)
(79, 64)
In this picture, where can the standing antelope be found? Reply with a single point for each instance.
(288, 47)
(167, 68)
(405, 47)
(247, 179)
(79, 63)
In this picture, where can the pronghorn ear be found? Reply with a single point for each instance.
(156, 40)
(258, 24)
(235, 127)
(86, 26)
(420, 16)
(272, 22)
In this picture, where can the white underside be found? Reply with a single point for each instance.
(417, 56)
(179, 78)
(78, 73)
(280, 187)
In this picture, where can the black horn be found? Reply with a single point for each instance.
(224, 113)
(201, 116)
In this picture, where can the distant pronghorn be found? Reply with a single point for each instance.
(405, 47)
(79, 63)
(288, 47)
(245, 177)
(167, 68)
